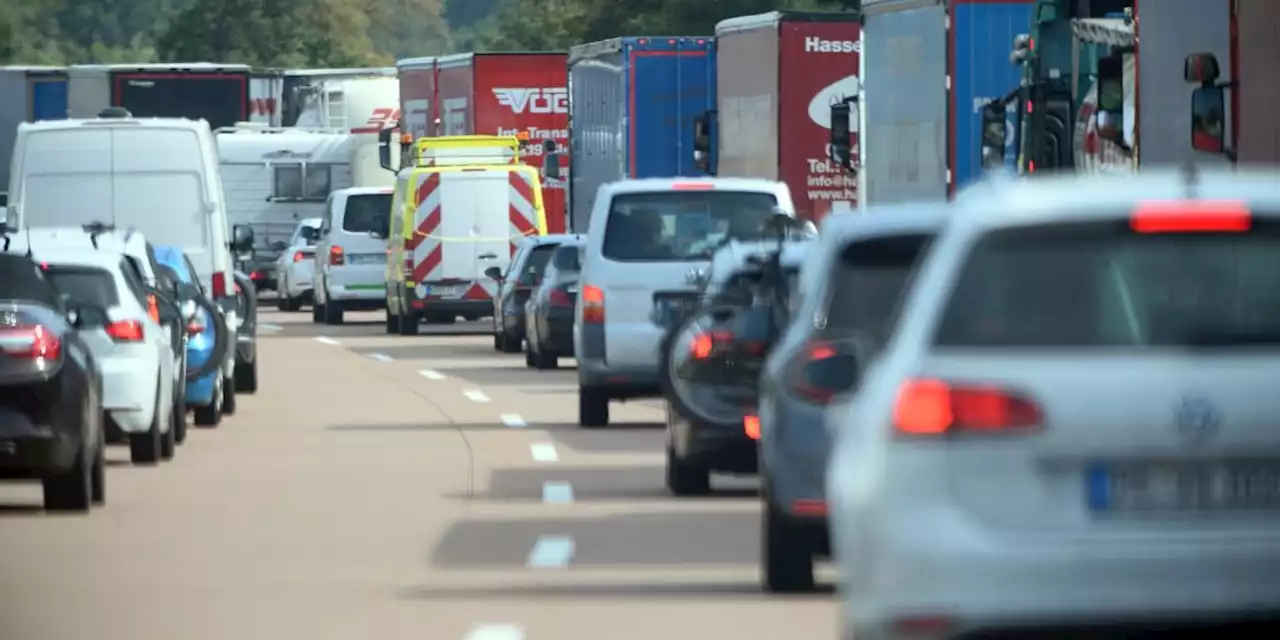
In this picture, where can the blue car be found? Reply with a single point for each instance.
(203, 394)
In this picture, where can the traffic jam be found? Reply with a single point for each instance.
(880, 325)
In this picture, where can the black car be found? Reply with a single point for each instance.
(549, 311)
(516, 285)
(50, 390)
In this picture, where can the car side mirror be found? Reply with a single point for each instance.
(1109, 116)
(87, 316)
(494, 273)
(279, 245)
(841, 142)
(702, 147)
(994, 134)
(551, 165)
(1207, 130)
(242, 237)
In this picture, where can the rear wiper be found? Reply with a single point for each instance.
(1231, 338)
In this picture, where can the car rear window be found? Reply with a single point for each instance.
(535, 265)
(85, 285)
(367, 212)
(870, 280)
(682, 225)
(566, 257)
(20, 279)
(1103, 285)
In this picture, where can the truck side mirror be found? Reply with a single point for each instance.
(386, 138)
(548, 147)
(702, 142)
(993, 134)
(1201, 68)
(242, 237)
(1109, 115)
(551, 165)
(1207, 130)
(841, 146)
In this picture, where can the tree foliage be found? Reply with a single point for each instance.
(340, 33)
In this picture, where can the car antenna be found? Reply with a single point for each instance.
(30, 255)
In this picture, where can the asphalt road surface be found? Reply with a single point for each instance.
(398, 488)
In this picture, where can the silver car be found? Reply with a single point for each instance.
(1074, 424)
(847, 299)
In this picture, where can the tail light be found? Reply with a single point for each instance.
(751, 426)
(125, 331)
(1191, 216)
(298, 256)
(34, 342)
(219, 284)
(927, 407)
(593, 304)
(336, 256)
(709, 343)
(257, 275)
(823, 370)
(195, 326)
(560, 299)
(153, 307)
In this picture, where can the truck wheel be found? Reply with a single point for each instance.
(409, 324)
(393, 323)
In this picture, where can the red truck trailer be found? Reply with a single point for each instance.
(520, 94)
(777, 75)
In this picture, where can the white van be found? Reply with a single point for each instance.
(351, 254)
(644, 240)
(156, 175)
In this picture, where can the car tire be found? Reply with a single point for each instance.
(246, 377)
(145, 447)
(210, 415)
(179, 414)
(442, 319)
(281, 304)
(393, 323)
(787, 554)
(317, 313)
(168, 443)
(497, 342)
(530, 360)
(333, 313)
(511, 345)
(409, 324)
(228, 397)
(685, 478)
(593, 408)
(99, 472)
(73, 490)
(290, 303)
(544, 360)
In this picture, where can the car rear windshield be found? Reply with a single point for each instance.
(85, 285)
(566, 257)
(682, 225)
(1103, 285)
(535, 265)
(869, 283)
(367, 212)
(20, 280)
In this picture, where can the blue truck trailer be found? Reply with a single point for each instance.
(28, 94)
(632, 106)
(928, 68)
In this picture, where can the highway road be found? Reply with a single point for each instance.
(398, 488)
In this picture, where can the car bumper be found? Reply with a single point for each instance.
(625, 382)
(559, 338)
(129, 391)
(32, 449)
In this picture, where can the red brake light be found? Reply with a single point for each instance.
(592, 304)
(1191, 216)
(693, 186)
(336, 255)
(34, 342)
(298, 256)
(932, 408)
(219, 284)
(560, 299)
(751, 426)
(125, 331)
(706, 344)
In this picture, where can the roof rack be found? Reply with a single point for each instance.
(1114, 32)
(94, 229)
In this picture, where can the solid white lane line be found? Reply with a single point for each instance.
(431, 375)
(380, 357)
(475, 395)
(495, 632)
(551, 552)
(543, 452)
(326, 340)
(555, 492)
(513, 420)
(271, 327)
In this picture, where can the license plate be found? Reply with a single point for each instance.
(367, 258)
(573, 289)
(1184, 487)
(444, 292)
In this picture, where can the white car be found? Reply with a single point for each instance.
(295, 268)
(1073, 424)
(647, 237)
(132, 348)
(351, 255)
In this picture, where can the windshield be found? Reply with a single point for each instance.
(870, 280)
(566, 257)
(1102, 285)
(85, 286)
(20, 280)
(535, 265)
(682, 225)
(367, 213)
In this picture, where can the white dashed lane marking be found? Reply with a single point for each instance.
(475, 395)
(513, 420)
(326, 340)
(380, 357)
(496, 632)
(270, 327)
(543, 452)
(431, 374)
(555, 492)
(551, 552)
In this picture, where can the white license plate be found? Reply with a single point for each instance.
(444, 292)
(573, 289)
(1184, 487)
(366, 258)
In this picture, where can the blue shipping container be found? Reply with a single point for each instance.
(48, 98)
(984, 33)
(632, 102)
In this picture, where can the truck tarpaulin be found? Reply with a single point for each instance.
(218, 96)
(777, 76)
(509, 94)
(634, 103)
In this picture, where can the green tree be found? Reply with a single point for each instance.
(409, 28)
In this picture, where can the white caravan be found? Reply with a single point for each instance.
(363, 107)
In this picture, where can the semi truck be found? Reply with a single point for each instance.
(780, 72)
(217, 93)
(28, 94)
(498, 94)
(927, 69)
(633, 105)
